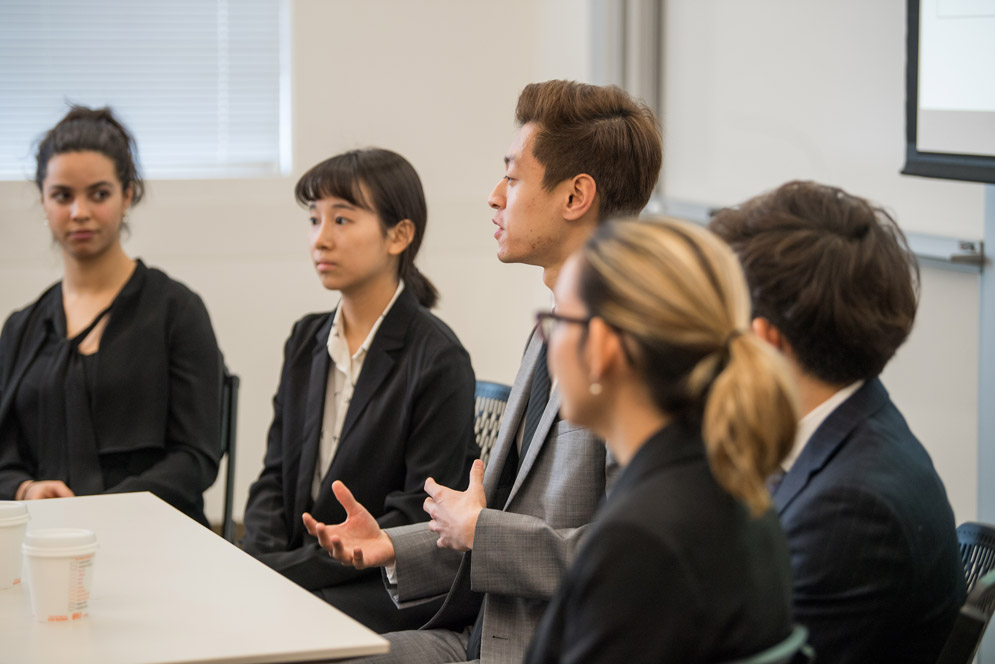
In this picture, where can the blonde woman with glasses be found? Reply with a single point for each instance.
(650, 346)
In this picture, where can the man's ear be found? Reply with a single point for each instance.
(400, 236)
(580, 191)
(764, 329)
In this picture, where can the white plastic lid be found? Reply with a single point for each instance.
(59, 542)
(12, 513)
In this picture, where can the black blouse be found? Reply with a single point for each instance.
(141, 414)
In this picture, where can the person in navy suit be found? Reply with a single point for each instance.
(878, 575)
(378, 392)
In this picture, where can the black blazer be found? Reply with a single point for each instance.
(155, 399)
(674, 569)
(410, 418)
(878, 576)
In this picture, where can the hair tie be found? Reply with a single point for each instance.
(729, 339)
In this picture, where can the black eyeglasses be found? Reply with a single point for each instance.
(547, 320)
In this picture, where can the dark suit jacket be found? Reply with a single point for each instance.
(410, 418)
(155, 398)
(878, 576)
(674, 569)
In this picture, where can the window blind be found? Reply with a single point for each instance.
(198, 82)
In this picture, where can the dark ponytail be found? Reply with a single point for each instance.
(393, 191)
(93, 130)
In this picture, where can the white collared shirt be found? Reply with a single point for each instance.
(342, 378)
(814, 419)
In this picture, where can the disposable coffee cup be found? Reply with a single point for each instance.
(58, 565)
(13, 522)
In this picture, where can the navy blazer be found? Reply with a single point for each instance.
(410, 418)
(878, 575)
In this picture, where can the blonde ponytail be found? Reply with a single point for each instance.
(749, 421)
(678, 296)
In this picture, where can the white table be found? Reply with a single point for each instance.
(166, 589)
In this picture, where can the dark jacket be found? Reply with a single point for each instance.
(410, 418)
(878, 576)
(153, 393)
(674, 569)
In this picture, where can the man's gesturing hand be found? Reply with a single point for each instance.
(454, 513)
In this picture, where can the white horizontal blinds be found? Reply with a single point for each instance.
(196, 81)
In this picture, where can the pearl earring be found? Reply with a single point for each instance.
(45, 220)
(595, 388)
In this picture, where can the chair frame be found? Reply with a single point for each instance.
(790, 650)
(229, 421)
(969, 628)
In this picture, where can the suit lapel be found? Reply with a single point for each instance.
(542, 433)
(321, 363)
(828, 439)
(512, 419)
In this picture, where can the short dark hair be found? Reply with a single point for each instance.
(832, 272)
(93, 129)
(395, 193)
(598, 130)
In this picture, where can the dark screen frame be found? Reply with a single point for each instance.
(971, 168)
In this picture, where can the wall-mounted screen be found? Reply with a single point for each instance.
(950, 90)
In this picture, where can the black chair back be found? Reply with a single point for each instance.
(490, 399)
(977, 550)
(972, 621)
(229, 417)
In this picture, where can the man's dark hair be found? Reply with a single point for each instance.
(832, 272)
(599, 130)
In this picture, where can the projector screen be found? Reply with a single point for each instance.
(950, 89)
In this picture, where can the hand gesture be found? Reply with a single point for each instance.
(454, 513)
(358, 541)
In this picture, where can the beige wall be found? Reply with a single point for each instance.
(434, 80)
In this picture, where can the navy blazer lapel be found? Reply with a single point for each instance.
(379, 358)
(321, 363)
(828, 439)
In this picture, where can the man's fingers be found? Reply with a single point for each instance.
(431, 487)
(477, 473)
(357, 558)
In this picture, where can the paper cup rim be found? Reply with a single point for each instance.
(13, 513)
(59, 542)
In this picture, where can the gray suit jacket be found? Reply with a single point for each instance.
(522, 549)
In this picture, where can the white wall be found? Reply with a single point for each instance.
(435, 80)
(757, 93)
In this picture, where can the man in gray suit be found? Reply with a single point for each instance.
(498, 550)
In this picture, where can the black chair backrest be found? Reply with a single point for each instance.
(977, 550)
(229, 417)
(969, 628)
(491, 399)
(792, 650)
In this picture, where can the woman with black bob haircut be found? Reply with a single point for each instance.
(377, 393)
(111, 380)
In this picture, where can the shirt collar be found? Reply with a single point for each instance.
(338, 349)
(808, 425)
